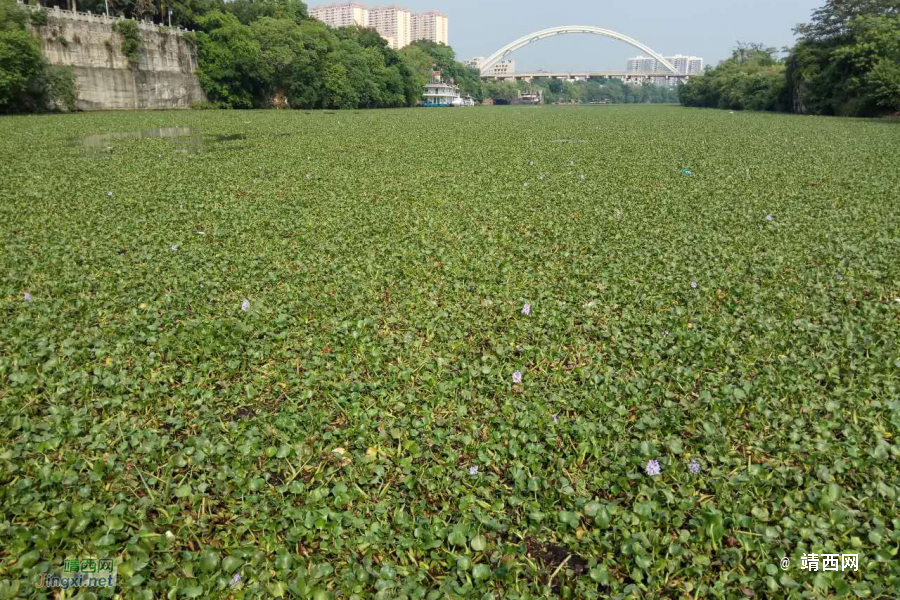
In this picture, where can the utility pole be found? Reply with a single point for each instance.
(170, 17)
(107, 7)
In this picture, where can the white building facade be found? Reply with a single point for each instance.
(684, 65)
(394, 23)
(431, 26)
(397, 25)
(341, 14)
(504, 68)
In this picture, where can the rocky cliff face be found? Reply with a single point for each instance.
(164, 77)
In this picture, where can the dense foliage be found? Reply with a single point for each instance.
(27, 82)
(847, 62)
(604, 90)
(299, 63)
(855, 72)
(753, 79)
(356, 431)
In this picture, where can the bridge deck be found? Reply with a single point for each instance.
(582, 74)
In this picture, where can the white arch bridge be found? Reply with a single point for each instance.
(667, 68)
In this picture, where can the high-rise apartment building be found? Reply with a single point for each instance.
(504, 68)
(642, 64)
(397, 25)
(342, 14)
(431, 26)
(685, 65)
(394, 23)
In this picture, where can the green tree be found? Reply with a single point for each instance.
(871, 64)
(229, 59)
(846, 62)
(21, 71)
(340, 93)
(248, 11)
(753, 79)
(283, 56)
(503, 91)
(834, 20)
(27, 82)
(884, 84)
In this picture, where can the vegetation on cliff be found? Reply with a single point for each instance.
(27, 82)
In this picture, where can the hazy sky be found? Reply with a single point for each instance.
(707, 28)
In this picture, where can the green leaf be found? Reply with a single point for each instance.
(192, 591)
(209, 560)
(481, 571)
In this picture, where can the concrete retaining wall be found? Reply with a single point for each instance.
(166, 76)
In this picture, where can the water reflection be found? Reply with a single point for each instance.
(185, 139)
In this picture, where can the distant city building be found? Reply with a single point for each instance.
(685, 65)
(341, 14)
(393, 23)
(397, 25)
(504, 68)
(431, 26)
(642, 64)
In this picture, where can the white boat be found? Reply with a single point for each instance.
(439, 93)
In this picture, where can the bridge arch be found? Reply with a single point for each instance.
(503, 52)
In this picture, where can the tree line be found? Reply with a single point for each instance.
(846, 62)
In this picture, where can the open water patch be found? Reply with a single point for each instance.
(184, 139)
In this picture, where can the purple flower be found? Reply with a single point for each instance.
(693, 285)
(245, 305)
(652, 469)
(526, 310)
(27, 297)
(694, 466)
(473, 471)
(235, 580)
(770, 218)
(517, 377)
(555, 419)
